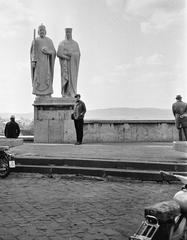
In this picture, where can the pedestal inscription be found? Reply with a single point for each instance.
(52, 120)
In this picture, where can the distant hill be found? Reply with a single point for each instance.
(130, 114)
(113, 114)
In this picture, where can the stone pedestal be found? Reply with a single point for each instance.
(180, 146)
(52, 120)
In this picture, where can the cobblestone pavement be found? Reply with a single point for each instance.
(35, 206)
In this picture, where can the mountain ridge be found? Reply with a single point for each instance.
(130, 114)
(113, 114)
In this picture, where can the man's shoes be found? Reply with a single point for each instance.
(78, 143)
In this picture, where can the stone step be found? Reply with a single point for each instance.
(100, 163)
(99, 172)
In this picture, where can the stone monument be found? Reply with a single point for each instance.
(42, 56)
(69, 57)
(52, 116)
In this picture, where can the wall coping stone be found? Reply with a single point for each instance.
(129, 121)
(11, 142)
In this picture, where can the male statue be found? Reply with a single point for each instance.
(179, 109)
(69, 57)
(42, 56)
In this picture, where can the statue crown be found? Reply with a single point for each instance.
(41, 26)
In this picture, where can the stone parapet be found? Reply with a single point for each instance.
(113, 131)
(53, 124)
(11, 142)
(130, 131)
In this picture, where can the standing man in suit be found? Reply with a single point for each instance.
(78, 117)
(179, 109)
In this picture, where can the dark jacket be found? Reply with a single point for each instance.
(179, 108)
(12, 129)
(79, 110)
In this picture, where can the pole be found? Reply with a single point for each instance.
(34, 55)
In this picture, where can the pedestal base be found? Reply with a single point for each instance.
(52, 120)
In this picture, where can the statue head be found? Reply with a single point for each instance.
(68, 32)
(42, 30)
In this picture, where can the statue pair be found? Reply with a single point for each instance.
(43, 56)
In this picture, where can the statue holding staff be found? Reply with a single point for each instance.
(69, 57)
(42, 57)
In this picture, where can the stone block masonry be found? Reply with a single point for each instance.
(52, 120)
(130, 131)
(53, 124)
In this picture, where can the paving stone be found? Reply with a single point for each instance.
(85, 210)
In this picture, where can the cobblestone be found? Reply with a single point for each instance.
(36, 207)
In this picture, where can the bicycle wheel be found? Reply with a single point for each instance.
(4, 167)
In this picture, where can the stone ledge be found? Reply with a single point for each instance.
(25, 138)
(180, 146)
(42, 101)
(114, 121)
(11, 142)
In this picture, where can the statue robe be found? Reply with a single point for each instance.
(42, 74)
(69, 69)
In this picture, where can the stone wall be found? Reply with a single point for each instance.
(130, 131)
(53, 124)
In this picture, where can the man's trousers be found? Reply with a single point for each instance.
(180, 133)
(79, 129)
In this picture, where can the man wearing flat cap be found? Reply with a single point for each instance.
(12, 129)
(78, 117)
(179, 109)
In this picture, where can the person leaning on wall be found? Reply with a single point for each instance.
(12, 129)
(179, 109)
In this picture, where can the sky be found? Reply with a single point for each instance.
(133, 52)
